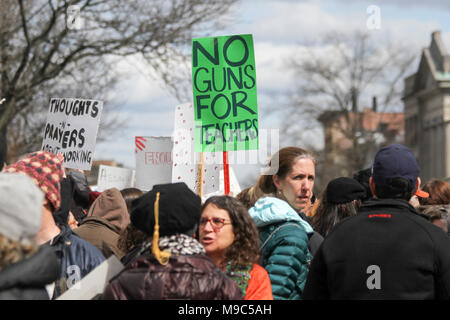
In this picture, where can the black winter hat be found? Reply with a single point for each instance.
(80, 189)
(179, 209)
(343, 189)
(61, 215)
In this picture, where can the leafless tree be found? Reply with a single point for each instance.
(335, 79)
(66, 48)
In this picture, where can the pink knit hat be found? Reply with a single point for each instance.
(45, 169)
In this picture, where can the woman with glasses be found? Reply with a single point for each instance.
(231, 240)
(170, 264)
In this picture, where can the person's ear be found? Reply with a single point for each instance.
(372, 186)
(276, 181)
(418, 184)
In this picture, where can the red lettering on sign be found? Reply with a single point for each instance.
(158, 158)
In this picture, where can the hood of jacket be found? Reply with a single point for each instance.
(111, 206)
(270, 210)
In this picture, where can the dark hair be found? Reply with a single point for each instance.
(131, 236)
(329, 215)
(129, 194)
(396, 188)
(244, 198)
(245, 248)
(439, 191)
(282, 162)
(249, 196)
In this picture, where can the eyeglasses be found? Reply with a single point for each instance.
(216, 223)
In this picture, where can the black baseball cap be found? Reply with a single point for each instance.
(396, 161)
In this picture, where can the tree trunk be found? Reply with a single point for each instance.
(3, 147)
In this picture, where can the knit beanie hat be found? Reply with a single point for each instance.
(20, 206)
(343, 189)
(179, 209)
(45, 169)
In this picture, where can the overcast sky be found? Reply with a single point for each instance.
(278, 28)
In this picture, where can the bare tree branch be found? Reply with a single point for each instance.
(41, 56)
(340, 75)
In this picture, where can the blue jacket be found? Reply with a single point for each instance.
(77, 258)
(284, 239)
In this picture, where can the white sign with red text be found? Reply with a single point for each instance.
(153, 161)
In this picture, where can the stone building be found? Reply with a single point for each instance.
(427, 110)
(352, 141)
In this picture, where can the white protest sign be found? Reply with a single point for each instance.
(235, 188)
(153, 161)
(71, 128)
(94, 282)
(114, 177)
(186, 161)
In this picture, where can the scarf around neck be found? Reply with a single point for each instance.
(239, 274)
(181, 244)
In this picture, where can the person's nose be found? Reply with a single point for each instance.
(208, 226)
(306, 185)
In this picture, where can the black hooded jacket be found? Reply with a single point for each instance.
(26, 279)
(387, 251)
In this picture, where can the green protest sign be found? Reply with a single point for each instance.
(224, 89)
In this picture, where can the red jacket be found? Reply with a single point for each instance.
(259, 287)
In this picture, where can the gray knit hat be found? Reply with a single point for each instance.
(20, 206)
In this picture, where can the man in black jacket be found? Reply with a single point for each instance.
(387, 251)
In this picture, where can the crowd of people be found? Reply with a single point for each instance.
(379, 234)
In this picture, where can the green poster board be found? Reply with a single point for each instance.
(224, 88)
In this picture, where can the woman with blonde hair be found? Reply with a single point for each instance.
(290, 177)
(285, 194)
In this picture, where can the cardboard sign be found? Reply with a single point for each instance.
(153, 161)
(71, 128)
(114, 177)
(94, 282)
(224, 88)
(187, 162)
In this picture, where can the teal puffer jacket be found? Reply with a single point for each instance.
(284, 239)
